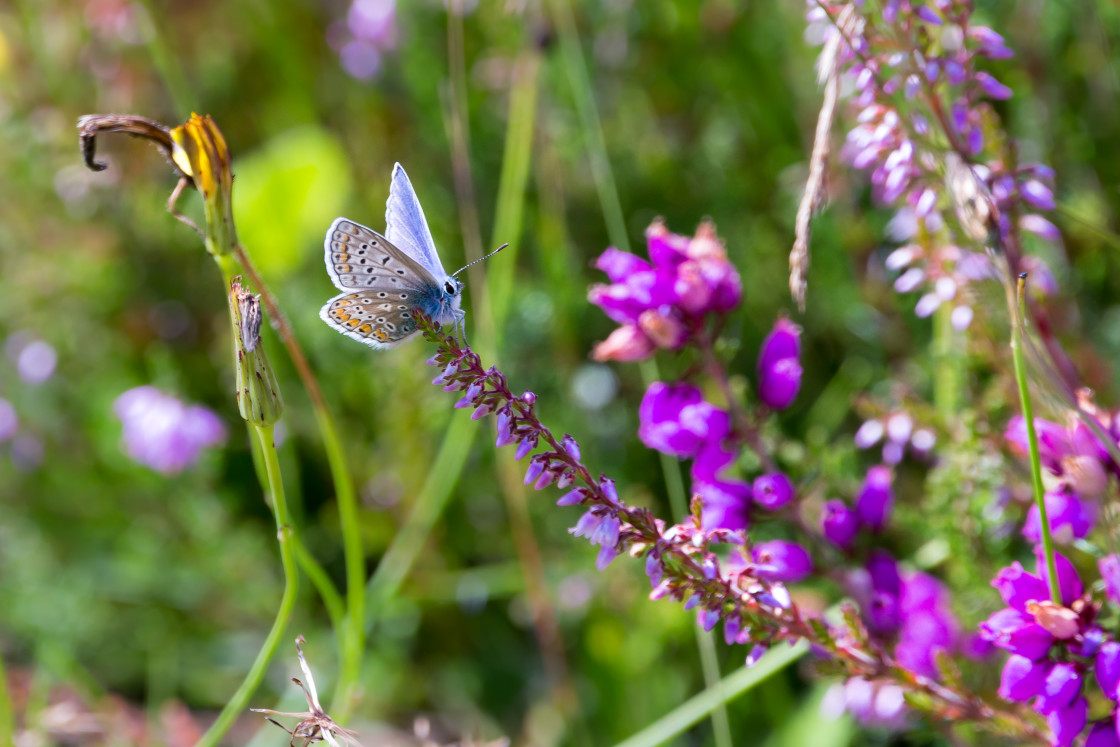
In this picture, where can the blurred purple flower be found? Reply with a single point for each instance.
(370, 32)
(779, 365)
(9, 421)
(839, 523)
(675, 419)
(163, 433)
(772, 491)
(876, 498)
(36, 362)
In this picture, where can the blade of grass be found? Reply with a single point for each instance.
(727, 689)
(7, 720)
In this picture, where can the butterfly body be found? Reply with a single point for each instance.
(386, 279)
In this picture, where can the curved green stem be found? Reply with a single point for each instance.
(284, 534)
(7, 720)
(1032, 439)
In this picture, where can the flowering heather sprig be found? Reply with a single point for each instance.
(929, 137)
(663, 302)
(745, 589)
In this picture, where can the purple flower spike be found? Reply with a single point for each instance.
(1061, 685)
(1069, 583)
(928, 15)
(876, 498)
(839, 524)
(1017, 587)
(772, 491)
(1108, 668)
(779, 560)
(1022, 679)
(779, 365)
(1068, 723)
(756, 653)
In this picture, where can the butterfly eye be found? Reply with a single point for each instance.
(451, 287)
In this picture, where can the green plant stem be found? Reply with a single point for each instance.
(352, 634)
(284, 533)
(7, 718)
(946, 384)
(729, 688)
(1017, 323)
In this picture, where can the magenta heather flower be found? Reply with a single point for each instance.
(779, 365)
(163, 433)
(1070, 518)
(725, 504)
(876, 498)
(839, 523)
(675, 419)
(661, 302)
(369, 33)
(781, 561)
(772, 490)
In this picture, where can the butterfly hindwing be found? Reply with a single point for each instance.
(379, 318)
(358, 257)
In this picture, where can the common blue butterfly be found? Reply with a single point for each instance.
(385, 278)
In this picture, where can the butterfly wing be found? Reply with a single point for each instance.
(379, 318)
(406, 227)
(358, 257)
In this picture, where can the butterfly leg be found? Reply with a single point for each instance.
(175, 193)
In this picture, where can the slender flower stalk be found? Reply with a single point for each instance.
(284, 536)
(1032, 438)
(199, 152)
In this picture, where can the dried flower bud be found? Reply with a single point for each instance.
(258, 396)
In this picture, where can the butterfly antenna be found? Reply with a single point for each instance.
(488, 256)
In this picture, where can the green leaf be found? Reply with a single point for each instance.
(286, 194)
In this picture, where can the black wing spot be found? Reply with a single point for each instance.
(365, 246)
(382, 294)
(380, 320)
(402, 307)
(385, 259)
(404, 295)
(367, 300)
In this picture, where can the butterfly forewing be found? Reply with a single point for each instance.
(358, 258)
(406, 227)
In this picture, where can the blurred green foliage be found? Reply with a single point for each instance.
(113, 578)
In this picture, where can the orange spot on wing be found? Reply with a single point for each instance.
(380, 333)
(343, 302)
(343, 257)
(354, 322)
(365, 329)
(344, 268)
